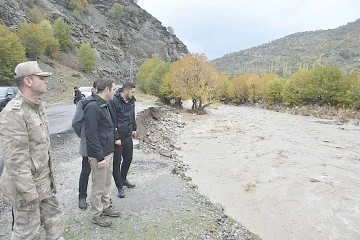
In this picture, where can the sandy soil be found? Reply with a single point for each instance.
(282, 176)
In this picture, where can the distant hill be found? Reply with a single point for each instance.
(338, 47)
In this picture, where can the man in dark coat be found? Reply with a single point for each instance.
(99, 134)
(122, 109)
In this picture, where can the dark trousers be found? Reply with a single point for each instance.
(122, 160)
(84, 177)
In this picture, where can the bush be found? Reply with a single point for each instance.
(352, 94)
(328, 82)
(80, 5)
(12, 52)
(62, 34)
(33, 38)
(52, 44)
(116, 10)
(87, 56)
(273, 90)
(35, 15)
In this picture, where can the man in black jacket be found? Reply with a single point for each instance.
(99, 134)
(122, 109)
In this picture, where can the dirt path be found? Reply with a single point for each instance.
(282, 176)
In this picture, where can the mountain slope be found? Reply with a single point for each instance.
(339, 47)
(121, 44)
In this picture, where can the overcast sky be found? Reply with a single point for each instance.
(218, 27)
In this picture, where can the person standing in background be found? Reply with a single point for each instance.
(122, 109)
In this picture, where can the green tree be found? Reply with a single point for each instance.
(33, 38)
(62, 34)
(116, 10)
(146, 69)
(300, 89)
(327, 82)
(156, 78)
(273, 90)
(87, 56)
(52, 44)
(35, 15)
(12, 52)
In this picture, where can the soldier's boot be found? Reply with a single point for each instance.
(101, 221)
(111, 212)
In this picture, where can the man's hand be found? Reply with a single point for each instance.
(103, 164)
(134, 134)
(118, 142)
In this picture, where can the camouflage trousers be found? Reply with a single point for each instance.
(27, 220)
(101, 183)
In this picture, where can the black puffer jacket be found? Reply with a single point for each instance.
(98, 128)
(123, 114)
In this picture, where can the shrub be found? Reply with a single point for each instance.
(87, 56)
(33, 38)
(80, 5)
(62, 34)
(116, 10)
(35, 15)
(12, 52)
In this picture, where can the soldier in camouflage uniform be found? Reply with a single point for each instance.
(28, 180)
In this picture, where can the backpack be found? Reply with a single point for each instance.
(78, 119)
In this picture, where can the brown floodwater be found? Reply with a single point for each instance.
(282, 176)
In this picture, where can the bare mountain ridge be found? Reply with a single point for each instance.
(336, 47)
(121, 44)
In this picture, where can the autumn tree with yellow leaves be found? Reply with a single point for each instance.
(192, 77)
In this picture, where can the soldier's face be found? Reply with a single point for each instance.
(38, 84)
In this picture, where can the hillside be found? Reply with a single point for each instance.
(338, 47)
(121, 44)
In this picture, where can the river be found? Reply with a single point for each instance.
(282, 176)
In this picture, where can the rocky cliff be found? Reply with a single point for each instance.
(121, 44)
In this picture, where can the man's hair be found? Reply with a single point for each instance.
(19, 82)
(95, 84)
(128, 86)
(101, 84)
(75, 88)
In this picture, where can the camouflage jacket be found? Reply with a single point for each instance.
(25, 142)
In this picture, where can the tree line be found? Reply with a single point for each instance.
(194, 77)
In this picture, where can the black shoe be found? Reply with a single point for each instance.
(128, 184)
(121, 193)
(82, 203)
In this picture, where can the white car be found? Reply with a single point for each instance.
(85, 91)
